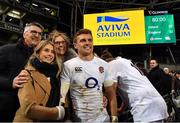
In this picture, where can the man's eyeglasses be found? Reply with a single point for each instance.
(59, 42)
(34, 32)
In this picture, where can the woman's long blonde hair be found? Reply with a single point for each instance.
(37, 49)
(55, 33)
(52, 36)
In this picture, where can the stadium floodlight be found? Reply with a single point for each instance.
(53, 12)
(34, 4)
(16, 14)
(18, 1)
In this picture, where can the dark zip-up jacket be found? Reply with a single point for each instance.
(160, 80)
(13, 58)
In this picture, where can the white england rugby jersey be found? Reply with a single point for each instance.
(86, 79)
(147, 104)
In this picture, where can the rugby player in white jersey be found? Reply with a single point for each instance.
(85, 77)
(147, 105)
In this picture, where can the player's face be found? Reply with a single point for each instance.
(84, 44)
(32, 36)
(60, 45)
(46, 54)
(153, 64)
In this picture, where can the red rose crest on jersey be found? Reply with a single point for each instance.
(101, 69)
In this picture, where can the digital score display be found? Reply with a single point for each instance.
(160, 29)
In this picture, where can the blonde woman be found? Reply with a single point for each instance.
(61, 43)
(39, 97)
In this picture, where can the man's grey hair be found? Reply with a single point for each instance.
(33, 24)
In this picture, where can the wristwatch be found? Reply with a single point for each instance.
(114, 118)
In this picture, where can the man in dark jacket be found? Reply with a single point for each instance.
(158, 78)
(13, 58)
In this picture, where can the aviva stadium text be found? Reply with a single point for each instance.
(113, 30)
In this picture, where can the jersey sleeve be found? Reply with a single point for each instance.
(113, 72)
(108, 77)
(65, 75)
(116, 68)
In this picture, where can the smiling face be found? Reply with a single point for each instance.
(32, 35)
(84, 45)
(47, 54)
(60, 45)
